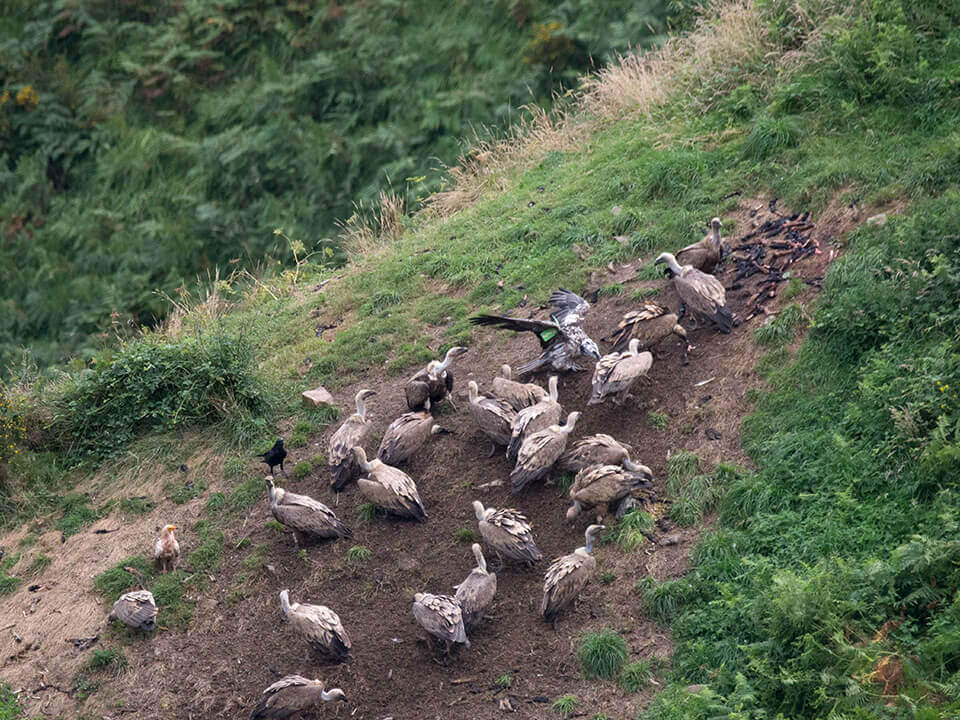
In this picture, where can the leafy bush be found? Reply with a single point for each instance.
(302, 469)
(565, 705)
(155, 384)
(635, 676)
(602, 654)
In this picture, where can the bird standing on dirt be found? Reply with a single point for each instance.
(651, 324)
(309, 519)
(441, 616)
(291, 695)
(389, 488)
(406, 435)
(533, 419)
(616, 373)
(320, 627)
(476, 591)
(701, 293)
(517, 394)
(604, 486)
(136, 609)
(508, 533)
(495, 417)
(354, 432)
(599, 449)
(562, 338)
(568, 575)
(705, 254)
(539, 453)
(275, 456)
(166, 551)
(433, 383)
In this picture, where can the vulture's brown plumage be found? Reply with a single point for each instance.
(320, 627)
(477, 590)
(539, 453)
(517, 394)
(701, 293)
(353, 433)
(651, 324)
(495, 417)
(705, 254)
(508, 533)
(603, 486)
(433, 383)
(136, 609)
(306, 517)
(568, 575)
(389, 488)
(532, 419)
(292, 695)
(616, 373)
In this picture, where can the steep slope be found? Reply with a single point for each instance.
(826, 581)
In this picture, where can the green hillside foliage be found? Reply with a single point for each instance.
(144, 143)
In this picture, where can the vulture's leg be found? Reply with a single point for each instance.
(493, 449)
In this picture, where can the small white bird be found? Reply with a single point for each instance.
(166, 551)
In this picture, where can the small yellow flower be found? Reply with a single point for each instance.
(27, 97)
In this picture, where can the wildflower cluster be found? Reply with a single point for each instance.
(13, 430)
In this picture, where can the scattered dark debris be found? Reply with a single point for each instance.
(531, 203)
(541, 188)
(735, 193)
(34, 588)
(184, 468)
(104, 531)
(188, 484)
(539, 699)
(714, 434)
(83, 642)
(703, 401)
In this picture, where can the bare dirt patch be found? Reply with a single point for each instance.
(238, 644)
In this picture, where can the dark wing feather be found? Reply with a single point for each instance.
(546, 332)
(571, 308)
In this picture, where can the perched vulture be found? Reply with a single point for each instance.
(495, 417)
(616, 373)
(701, 293)
(532, 419)
(136, 609)
(508, 533)
(603, 486)
(562, 339)
(319, 625)
(291, 695)
(166, 551)
(433, 383)
(539, 453)
(517, 394)
(651, 324)
(406, 435)
(306, 517)
(704, 255)
(476, 591)
(567, 576)
(353, 433)
(389, 488)
(599, 449)
(441, 616)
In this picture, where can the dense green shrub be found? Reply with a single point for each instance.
(155, 383)
(602, 654)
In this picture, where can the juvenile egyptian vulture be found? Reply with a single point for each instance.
(433, 383)
(568, 575)
(517, 394)
(353, 433)
(309, 519)
(508, 533)
(136, 609)
(319, 625)
(543, 414)
(292, 695)
(477, 591)
(389, 488)
(651, 325)
(599, 449)
(441, 616)
(406, 435)
(166, 550)
(495, 417)
(616, 373)
(539, 453)
(701, 293)
(603, 486)
(705, 254)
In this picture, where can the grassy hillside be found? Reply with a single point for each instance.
(829, 585)
(142, 144)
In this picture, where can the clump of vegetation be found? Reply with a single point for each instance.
(9, 707)
(658, 420)
(256, 561)
(39, 565)
(465, 535)
(215, 503)
(611, 290)
(630, 531)
(358, 556)
(367, 512)
(135, 506)
(663, 600)
(247, 494)
(635, 676)
(112, 583)
(566, 705)
(607, 577)
(77, 514)
(302, 469)
(602, 654)
(235, 468)
(13, 428)
(183, 492)
(504, 681)
(782, 328)
(209, 554)
(107, 661)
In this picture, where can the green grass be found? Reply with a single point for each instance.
(8, 583)
(658, 420)
(302, 469)
(602, 654)
(77, 514)
(133, 507)
(358, 556)
(629, 531)
(208, 556)
(183, 491)
(504, 681)
(465, 535)
(782, 328)
(112, 583)
(607, 578)
(367, 512)
(9, 707)
(247, 494)
(107, 660)
(635, 676)
(174, 610)
(565, 705)
(256, 561)
(39, 565)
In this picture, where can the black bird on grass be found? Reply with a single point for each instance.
(275, 456)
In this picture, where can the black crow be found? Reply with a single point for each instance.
(275, 456)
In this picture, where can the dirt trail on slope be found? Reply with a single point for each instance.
(238, 644)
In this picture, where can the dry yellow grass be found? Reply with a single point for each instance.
(365, 231)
